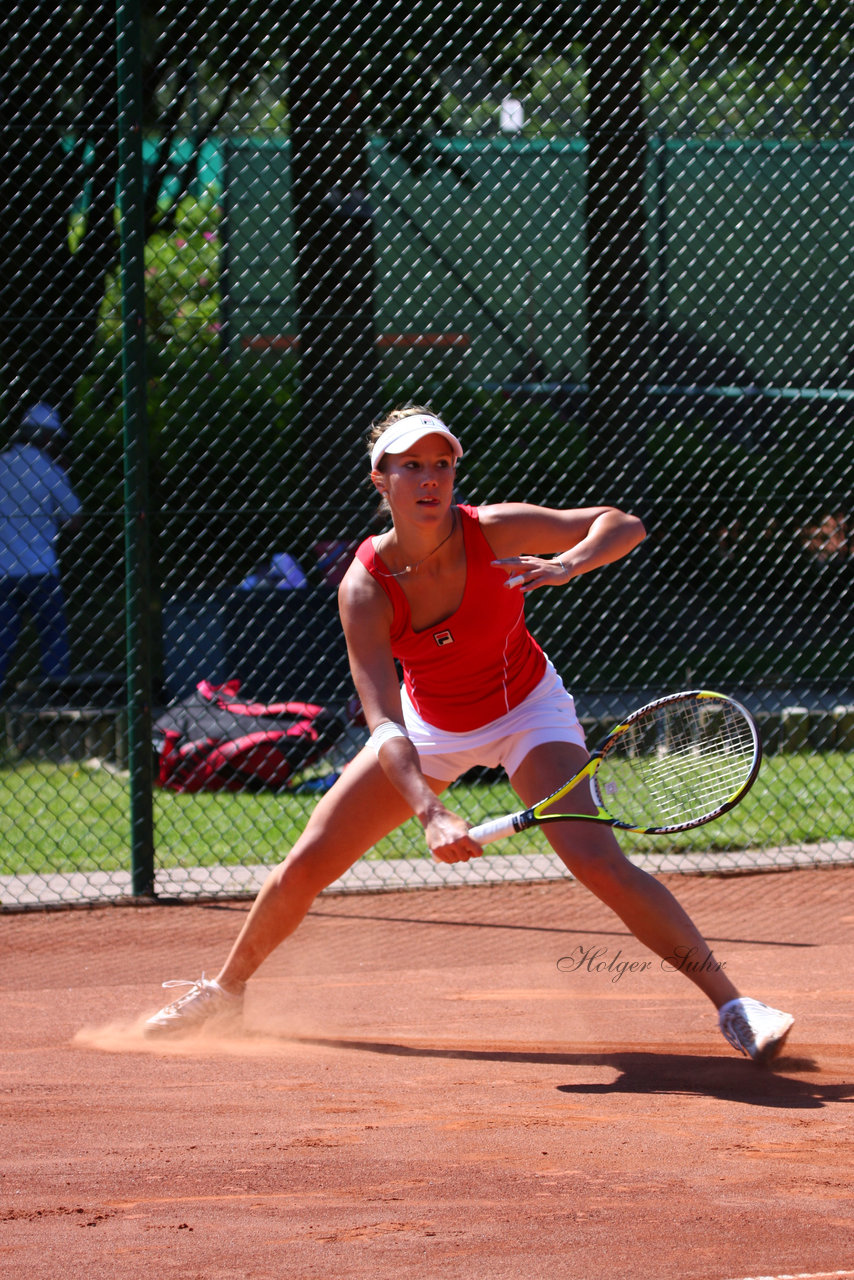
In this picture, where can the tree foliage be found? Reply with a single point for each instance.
(378, 67)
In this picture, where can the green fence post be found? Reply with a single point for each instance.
(137, 510)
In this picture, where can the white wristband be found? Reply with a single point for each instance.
(384, 732)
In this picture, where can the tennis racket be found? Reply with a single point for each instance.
(674, 764)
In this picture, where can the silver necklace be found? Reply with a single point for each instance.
(410, 568)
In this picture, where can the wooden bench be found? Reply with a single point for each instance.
(64, 733)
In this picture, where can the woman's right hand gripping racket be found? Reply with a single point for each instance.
(676, 763)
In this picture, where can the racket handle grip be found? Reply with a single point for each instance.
(495, 829)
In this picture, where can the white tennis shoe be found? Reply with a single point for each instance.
(206, 1005)
(754, 1029)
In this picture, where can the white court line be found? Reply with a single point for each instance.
(804, 1275)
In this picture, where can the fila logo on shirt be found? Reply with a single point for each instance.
(442, 638)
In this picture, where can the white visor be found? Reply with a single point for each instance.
(404, 433)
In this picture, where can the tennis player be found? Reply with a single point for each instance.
(443, 593)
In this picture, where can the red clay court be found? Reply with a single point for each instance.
(424, 1090)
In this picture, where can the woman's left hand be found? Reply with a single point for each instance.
(529, 573)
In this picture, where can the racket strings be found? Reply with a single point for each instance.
(678, 763)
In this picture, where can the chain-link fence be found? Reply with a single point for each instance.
(609, 244)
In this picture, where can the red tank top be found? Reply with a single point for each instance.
(478, 663)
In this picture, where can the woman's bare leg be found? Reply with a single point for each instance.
(591, 852)
(354, 815)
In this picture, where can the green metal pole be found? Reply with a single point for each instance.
(136, 488)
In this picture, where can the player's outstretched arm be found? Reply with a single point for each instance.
(579, 540)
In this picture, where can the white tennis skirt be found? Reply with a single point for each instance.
(546, 715)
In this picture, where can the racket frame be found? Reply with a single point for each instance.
(523, 819)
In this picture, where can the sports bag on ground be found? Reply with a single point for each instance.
(213, 742)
